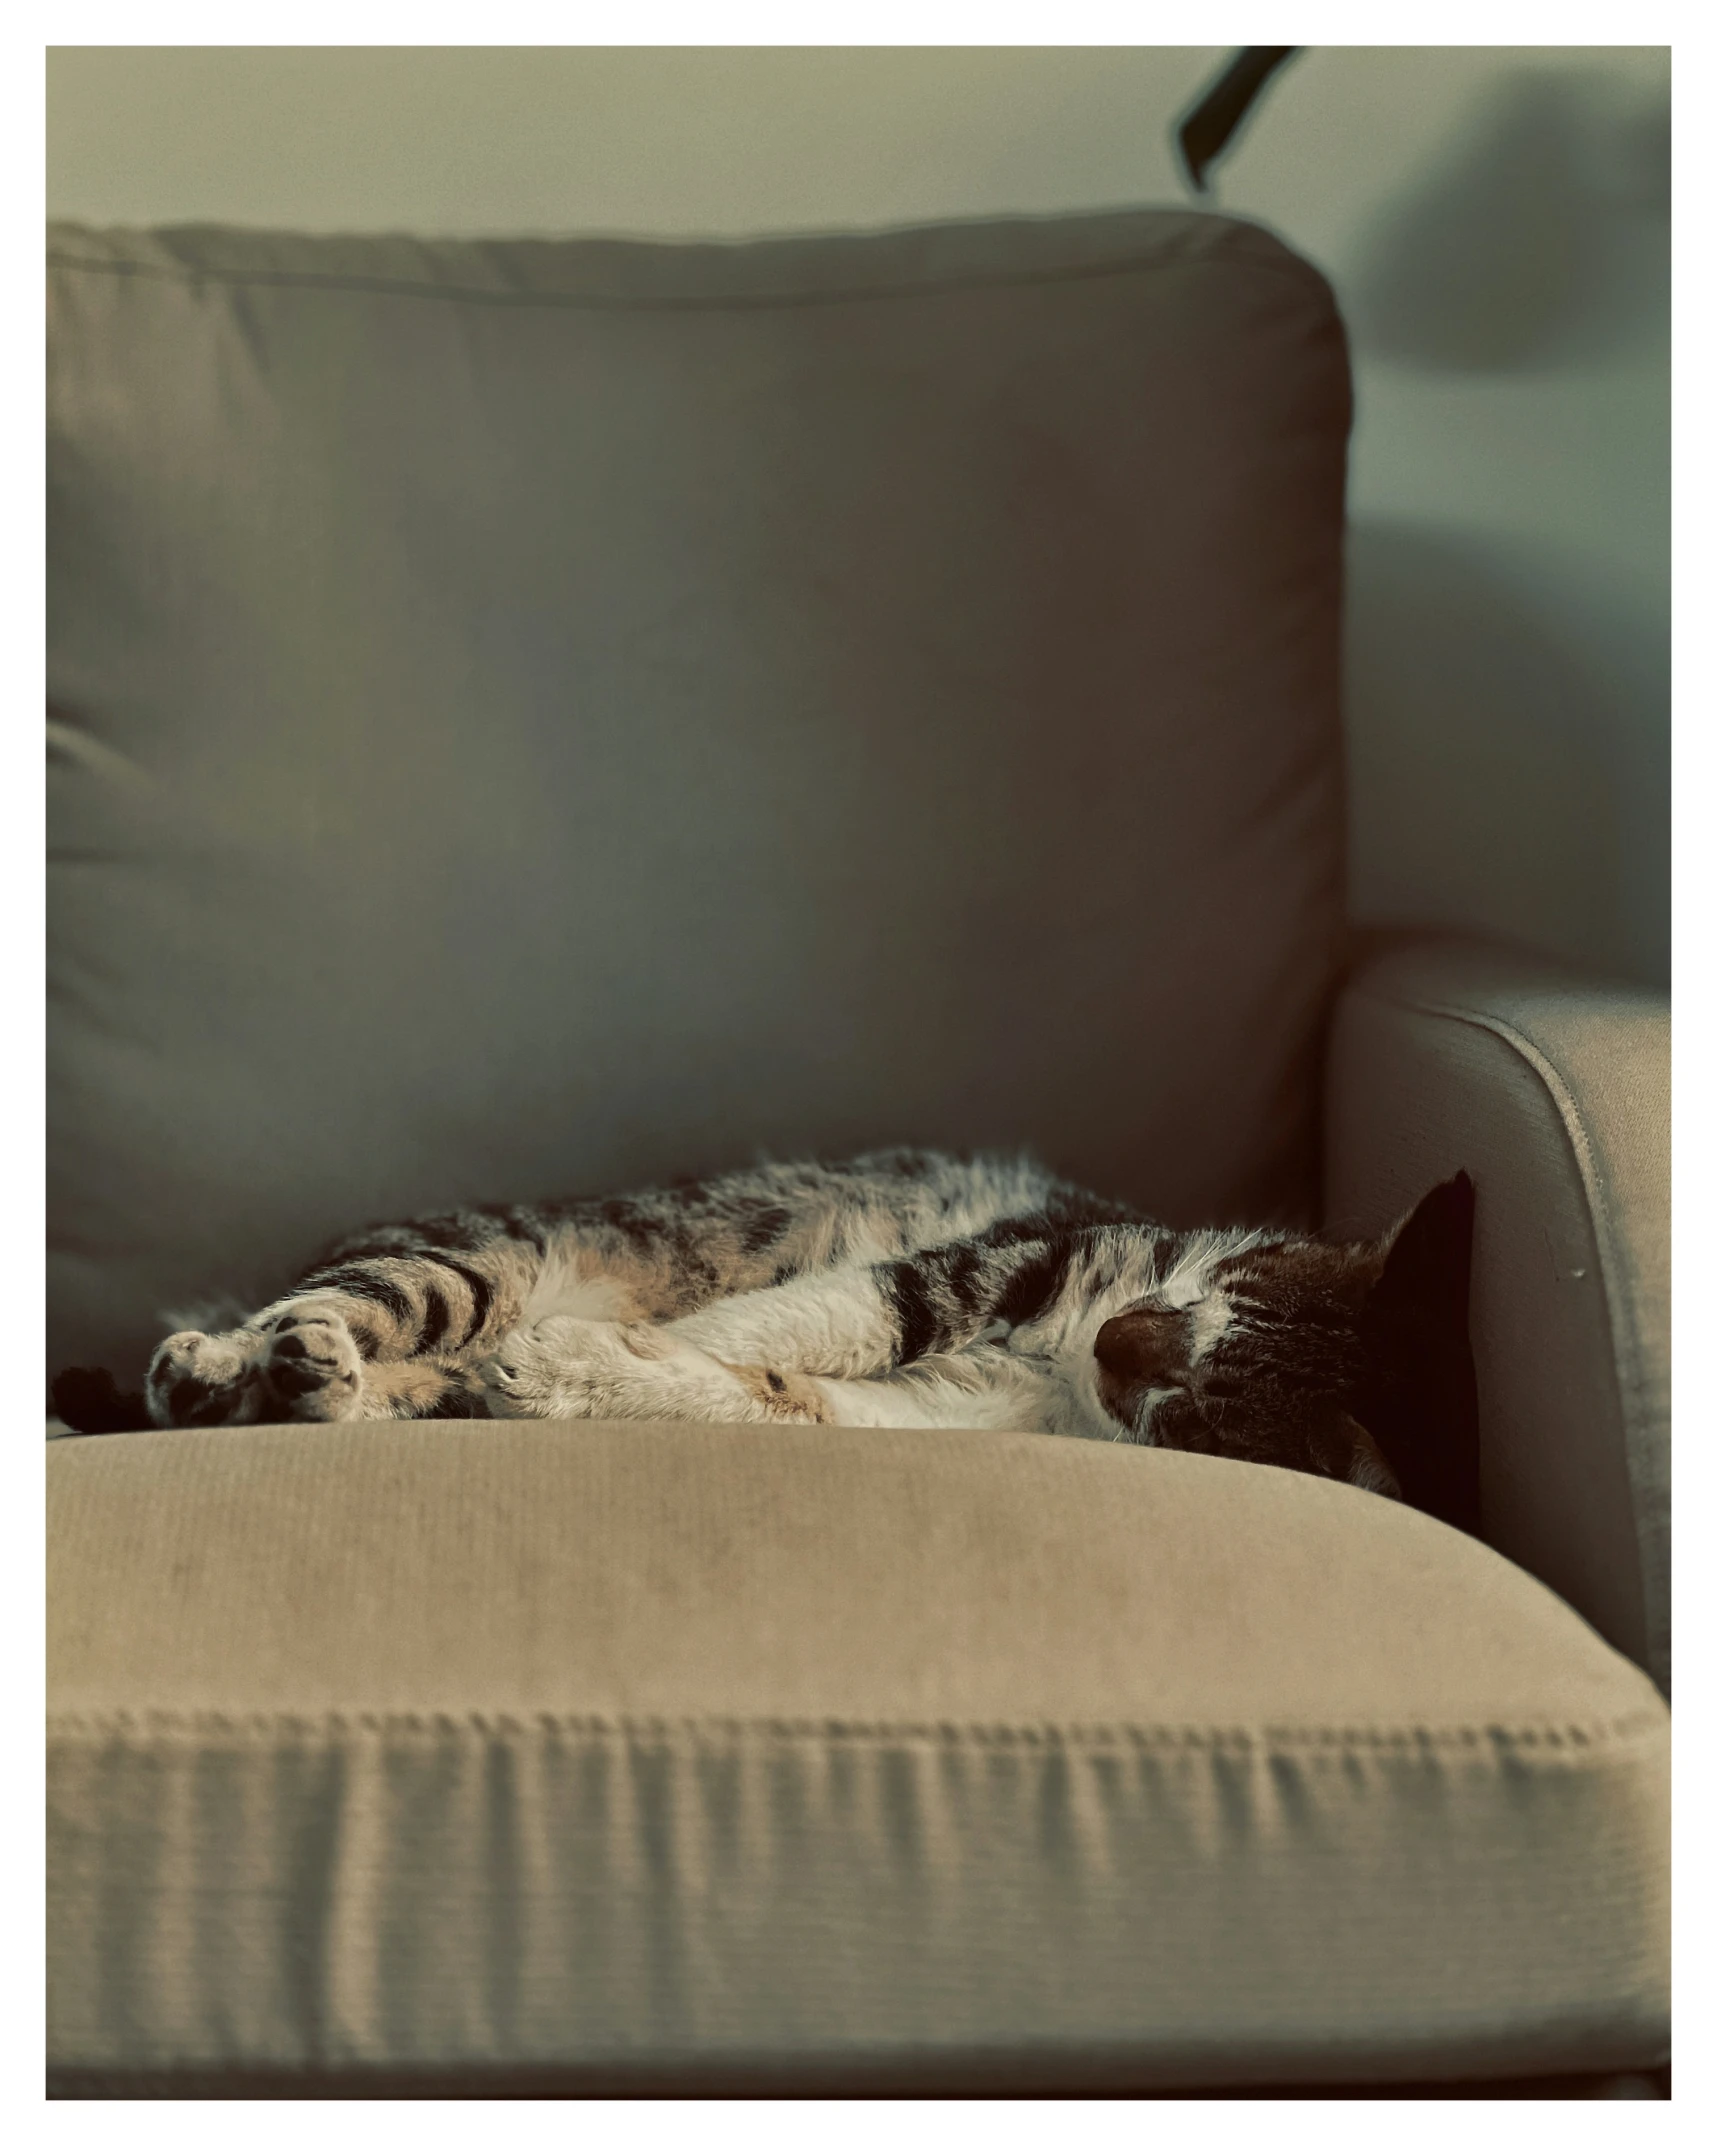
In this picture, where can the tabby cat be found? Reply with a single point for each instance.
(904, 1288)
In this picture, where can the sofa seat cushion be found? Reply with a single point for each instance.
(574, 1753)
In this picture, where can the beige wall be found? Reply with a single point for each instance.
(1495, 222)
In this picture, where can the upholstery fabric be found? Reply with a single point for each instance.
(545, 717)
(1553, 1091)
(554, 1751)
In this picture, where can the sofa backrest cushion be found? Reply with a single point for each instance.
(535, 716)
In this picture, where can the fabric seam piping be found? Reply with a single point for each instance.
(400, 287)
(1551, 1736)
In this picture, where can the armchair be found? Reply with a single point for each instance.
(533, 716)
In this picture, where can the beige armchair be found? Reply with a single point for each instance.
(534, 716)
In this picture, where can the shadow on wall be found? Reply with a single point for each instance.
(1507, 699)
(1508, 753)
(1534, 242)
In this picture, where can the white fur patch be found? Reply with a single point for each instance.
(832, 1325)
(1212, 1316)
(566, 1289)
(1204, 1251)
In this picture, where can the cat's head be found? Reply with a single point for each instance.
(1343, 1360)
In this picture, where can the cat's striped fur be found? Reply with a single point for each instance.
(902, 1288)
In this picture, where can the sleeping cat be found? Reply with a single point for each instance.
(905, 1289)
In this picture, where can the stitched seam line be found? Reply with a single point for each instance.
(468, 294)
(1549, 1736)
(1625, 1346)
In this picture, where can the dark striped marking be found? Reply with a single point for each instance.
(436, 1315)
(630, 1219)
(763, 1227)
(365, 1284)
(1089, 1210)
(520, 1224)
(1016, 1229)
(482, 1293)
(908, 1287)
(965, 1270)
(1035, 1281)
(452, 1402)
(392, 1242)
(449, 1233)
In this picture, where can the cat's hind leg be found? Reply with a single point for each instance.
(853, 1324)
(196, 1379)
(593, 1369)
(590, 1370)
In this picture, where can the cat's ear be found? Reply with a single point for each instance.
(1421, 1402)
(1428, 1257)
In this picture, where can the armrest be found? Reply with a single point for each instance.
(1553, 1090)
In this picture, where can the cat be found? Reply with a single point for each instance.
(904, 1288)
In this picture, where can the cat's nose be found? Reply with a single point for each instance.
(1146, 1346)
